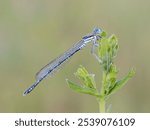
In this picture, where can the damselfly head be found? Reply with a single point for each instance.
(97, 31)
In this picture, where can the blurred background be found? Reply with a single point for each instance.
(33, 32)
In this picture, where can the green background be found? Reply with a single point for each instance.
(33, 32)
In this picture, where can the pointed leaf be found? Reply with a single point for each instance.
(119, 84)
(85, 90)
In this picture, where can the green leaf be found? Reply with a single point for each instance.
(80, 89)
(88, 79)
(103, 34)
(114, 45)
(113, 40)
(119, 84)
(103, 48)
(111, 77)
(107, 50)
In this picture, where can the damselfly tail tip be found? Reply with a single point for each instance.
(25, 93)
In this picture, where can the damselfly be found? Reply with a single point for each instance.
(56, 63)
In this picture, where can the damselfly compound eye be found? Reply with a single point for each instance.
(97, 31)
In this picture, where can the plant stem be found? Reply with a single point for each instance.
(102, 105)
(102, 93)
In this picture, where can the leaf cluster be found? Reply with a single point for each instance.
(107, 51)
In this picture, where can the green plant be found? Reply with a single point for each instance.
(107, 51)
